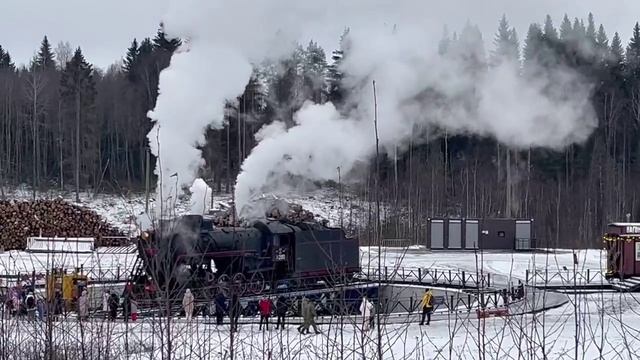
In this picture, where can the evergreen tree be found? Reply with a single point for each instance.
(131, 60)
(602, 45)
(335, 92)
(617, 52)
(633, 53)
(550, 33)
(533, 44)
(469, 49)
(5, 60)
(78, 90)
(566, 31)
(506, 44)
(44, 60)
(591, 30)
(160, 41)
(315, 72)
(445, 41)
(601, 38)
(146, 48)
(579, 32)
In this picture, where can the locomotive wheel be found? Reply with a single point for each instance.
(239, 282)
(256, 285)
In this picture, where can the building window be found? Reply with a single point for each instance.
(500, 233)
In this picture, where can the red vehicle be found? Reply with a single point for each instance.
(622, 242)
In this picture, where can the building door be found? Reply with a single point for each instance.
(437, 234)
(471, 234)
(455, 234)
(523, 235)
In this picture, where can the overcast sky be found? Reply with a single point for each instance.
(105, 28)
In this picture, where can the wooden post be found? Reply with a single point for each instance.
(146, 182)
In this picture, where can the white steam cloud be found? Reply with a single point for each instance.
(212, 66)
(420, 93)
(201, 195)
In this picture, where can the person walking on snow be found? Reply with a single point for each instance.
(113, 306)
(308, 313)
(134, 310)
(427, 306)
(30, 303)
(105, 301)
(187, 304)
(83, 306)
(220, 307)
(264, 305)
(366, 308)
(281, 311)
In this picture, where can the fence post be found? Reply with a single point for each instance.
(464, 279)
(420, 275)
(385, 273)
(526, 276)
(451, 306)
(468, 301)
(450, 279)
(118, 272)
(588, 277)
(488, 279)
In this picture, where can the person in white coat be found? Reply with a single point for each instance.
(83, 306)
(366, 309)
(187, 304)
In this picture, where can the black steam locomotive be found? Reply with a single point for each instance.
(190, 252)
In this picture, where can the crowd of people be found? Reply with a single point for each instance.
(279, 306)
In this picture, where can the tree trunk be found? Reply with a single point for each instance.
(77, 145)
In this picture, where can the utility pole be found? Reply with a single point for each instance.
(340, 196)
(377, 232)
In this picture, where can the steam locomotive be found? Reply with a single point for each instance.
(191, 252)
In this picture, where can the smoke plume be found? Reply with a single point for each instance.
(420, 93)
(420, 96)
(212, 66)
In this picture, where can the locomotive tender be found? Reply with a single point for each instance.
(191, 252)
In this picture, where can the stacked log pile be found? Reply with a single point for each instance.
(295, 214)
(50, 218)
(291, 213)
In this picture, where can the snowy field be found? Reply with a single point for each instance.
(554, 266)
(605, 327)
(588, 326)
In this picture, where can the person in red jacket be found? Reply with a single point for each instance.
(265, 307)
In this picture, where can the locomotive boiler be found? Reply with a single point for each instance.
(191, 252)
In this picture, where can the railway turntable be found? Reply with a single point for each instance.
(191, 252)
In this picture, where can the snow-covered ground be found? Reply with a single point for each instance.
(605, 328)
(104, 264)
(555, 267)
(127, 211)
(602, 325)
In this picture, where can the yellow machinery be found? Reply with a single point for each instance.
(69, 285)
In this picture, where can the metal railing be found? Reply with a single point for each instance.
(428, 276)
(565, 277)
